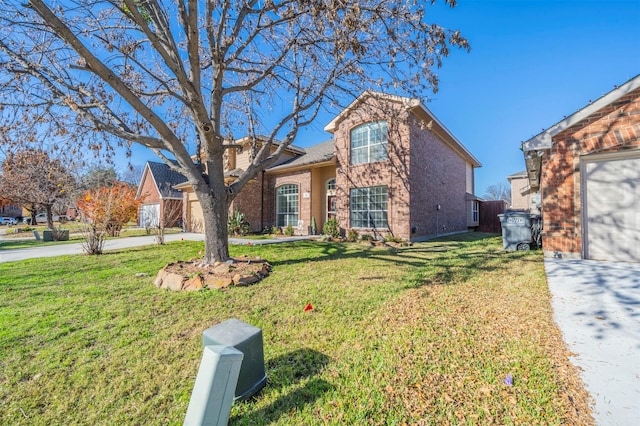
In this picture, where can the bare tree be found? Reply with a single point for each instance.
(170, 216)
(498, 191)
(195, 75)
(30, 177)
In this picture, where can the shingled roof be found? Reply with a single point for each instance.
(165, 179)
(314, 154)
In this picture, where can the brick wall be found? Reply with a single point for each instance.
(249, 202)
(438, 177)
(149, 192)
(392, 173)
(614, 128)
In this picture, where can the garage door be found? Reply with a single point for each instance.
(149, 214)
(612, 214)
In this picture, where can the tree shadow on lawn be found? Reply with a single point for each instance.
(415, 255)
(283, 374)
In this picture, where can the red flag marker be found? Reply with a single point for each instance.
(308, 307)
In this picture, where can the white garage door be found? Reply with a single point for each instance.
(612, 213)
(149, 215)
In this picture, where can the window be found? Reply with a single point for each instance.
(475, 211)
(369, 143)
(331, 184)
(287, 205)
(369, 207)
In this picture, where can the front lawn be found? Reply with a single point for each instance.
(421, 335)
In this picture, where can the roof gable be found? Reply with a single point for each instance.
(417, 108)
(164, 178)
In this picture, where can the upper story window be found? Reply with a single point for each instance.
(287, 205)
(369, 143)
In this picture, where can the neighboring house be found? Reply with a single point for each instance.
(521, 198)
(161, 202)
(10, 210)
(392, 168)
(587, 170)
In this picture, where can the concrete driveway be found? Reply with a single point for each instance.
(597, 307)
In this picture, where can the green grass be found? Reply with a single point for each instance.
(27, 239)
(420, 335)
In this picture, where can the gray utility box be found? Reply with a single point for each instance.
(516, 230)
(248, 340)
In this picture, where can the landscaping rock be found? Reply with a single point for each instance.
(193, 283)
(218, 283)
(193, 275)
(243, 280)
(173, 281)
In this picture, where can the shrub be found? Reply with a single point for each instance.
(331, 228)
(366, 237)
(289, 230)
(275, 230)
(352, 235)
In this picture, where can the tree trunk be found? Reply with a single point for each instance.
(49, 217)
(215, 214)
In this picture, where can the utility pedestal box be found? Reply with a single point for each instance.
(248, 340)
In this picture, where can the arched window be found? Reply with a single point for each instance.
(369, 143)
(287, 205)
(331, 184)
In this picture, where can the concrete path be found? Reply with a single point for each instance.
(120, 243)
(597, 307)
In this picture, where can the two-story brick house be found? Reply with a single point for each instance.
(392, 168)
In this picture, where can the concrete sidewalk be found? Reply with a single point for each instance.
(597, 307)
(120, 243)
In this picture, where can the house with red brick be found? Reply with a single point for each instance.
(391, 169)
(161, 203)
(586, 169)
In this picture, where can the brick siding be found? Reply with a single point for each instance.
(612, 129)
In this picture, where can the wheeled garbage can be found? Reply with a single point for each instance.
(516, 230)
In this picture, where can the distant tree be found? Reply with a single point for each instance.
(132, 174)
(98, 177)
(175, 75)
(104, 211)
(30, 177)
(498, 191)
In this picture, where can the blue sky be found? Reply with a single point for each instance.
(532, 62)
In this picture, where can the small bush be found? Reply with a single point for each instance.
(289, 230)
(393, 239)
(352, 235)
(331, 228)
(366, 237)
